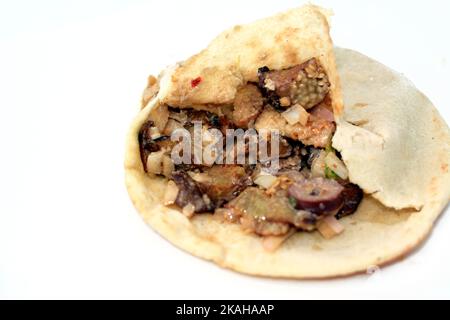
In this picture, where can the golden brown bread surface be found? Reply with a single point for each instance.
(233, 58)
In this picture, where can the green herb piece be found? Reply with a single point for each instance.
(330, 174)
(292, 201)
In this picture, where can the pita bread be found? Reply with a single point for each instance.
(381, 152)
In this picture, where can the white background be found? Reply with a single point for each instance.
(71, 75)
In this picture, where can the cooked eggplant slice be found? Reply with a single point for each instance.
(146, 143)
(305, 84)
(189, 193)
(264, 228)
(248, 104)
(223, 183)
(352, 195)
(291, 174)
(255, 205)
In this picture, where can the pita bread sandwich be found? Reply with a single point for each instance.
(335, 163)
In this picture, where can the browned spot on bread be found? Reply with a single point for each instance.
(290, 54)
(252, 43)
(287, 33)
(279, 38)
(444, 167)
(433, 185)
(360, 105)
(262, 57)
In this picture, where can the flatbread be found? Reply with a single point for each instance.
(391, 153)
(392, 139)
(233, 58)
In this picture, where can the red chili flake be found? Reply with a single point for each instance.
(196, 82)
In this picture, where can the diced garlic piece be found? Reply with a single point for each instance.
(188, 210)
(199, 177)
(329, 227)
(296, 114)
(154, 133)
(171, 193)
(154, 162)
(265, 180)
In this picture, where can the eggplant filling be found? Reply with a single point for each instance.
(309, 190)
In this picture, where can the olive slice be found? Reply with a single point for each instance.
(317, 195)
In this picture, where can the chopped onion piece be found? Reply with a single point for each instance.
(188, 210)
(154, 133)
(199, 177)
(265, 180)
(171, 193)
(329, 227)
(154, 161)
(167, 166)
(318, 165)
(296, 114)
(336, 164)
(272, 243)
